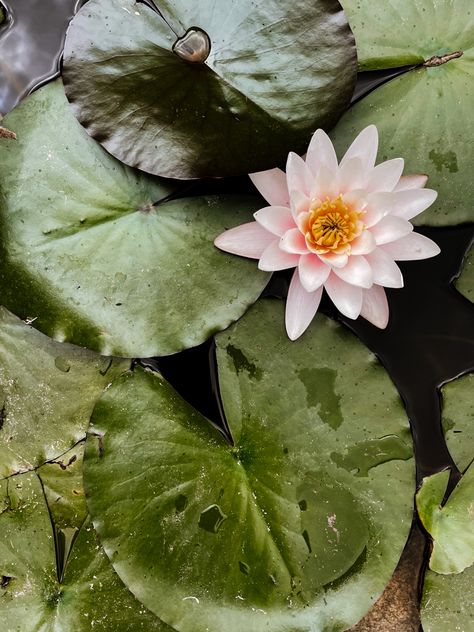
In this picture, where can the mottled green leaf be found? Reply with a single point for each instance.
(87, 255)
(451, 526)
(447, 604)
(458, 419)
(298, 525)
(276, 71)
(465, 282)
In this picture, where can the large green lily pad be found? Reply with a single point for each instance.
(275, 72)
(393, 33)
(458, 419)
(447, 604)
(89, 258)
(421, 116)
(298, 525)
(89, 596)
(465, 282)
(47, 391)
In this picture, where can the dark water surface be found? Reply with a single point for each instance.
(430, 337)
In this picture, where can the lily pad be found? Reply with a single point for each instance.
(295, 524)
(47, 393)
(450, 526)
(89, 596)
(200, 89)
(465, 282)
(90, 259)
(421, 116)
(458, 419)
(447, 604)
(393, 33)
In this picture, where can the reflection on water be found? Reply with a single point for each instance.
(29, 45)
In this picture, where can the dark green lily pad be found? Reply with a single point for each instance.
(421, 117)
(298, 525)
(465, 282)
(394, 33)
(47, 392)
(447, 604)
(90, 260)
(458, 419)
(89, 596)
(275, 72)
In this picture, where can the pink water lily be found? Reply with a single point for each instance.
(342, 226)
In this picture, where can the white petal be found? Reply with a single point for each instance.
(273, 258)
(411, 247)
(390, 228)
(415, 181)
(378, 205)
(364, 147)
(300, 203)
(247, 240)
(298, 176)
(321, 152)
(325, 184)
(356, 199)
(301, 307)
(271, 185)
(385, 177)
(276, 219)
(375, 306)
(408, 204)
(313, 272)
(384, 269)
(356, 272)
(347, 298)
(363, 244)
(294, 241)
(334, 260)
(351, 175)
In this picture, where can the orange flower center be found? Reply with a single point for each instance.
(332, 225)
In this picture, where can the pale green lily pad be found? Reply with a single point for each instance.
(47, 393)
(90, 595)
(465, 282)
(393, 33)
(421, 116)
(90, 259)
(298, 525)
(274, 73)
(447, 604)
(458, 419)
(450, 526)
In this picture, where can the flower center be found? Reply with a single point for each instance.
(331, 225)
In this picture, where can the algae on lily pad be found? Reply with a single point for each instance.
(198, 88)
(297, 522)
(93, 253)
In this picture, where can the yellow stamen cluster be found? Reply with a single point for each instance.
(331, 226)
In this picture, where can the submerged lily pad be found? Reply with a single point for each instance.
(202, 89)
(47, 391)
(89, 595)
(88, 256)
(298, 523)
(465, 282)
(421, 116)
(394, 33)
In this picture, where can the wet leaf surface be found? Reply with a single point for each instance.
(465, 282)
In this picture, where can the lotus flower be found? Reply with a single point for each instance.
(341, 226)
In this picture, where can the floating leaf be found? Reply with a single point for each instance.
(458, 419)
(91, 260)
(394, 33)
(447, 604)
(450, 526)
(465, 282)
(421, 116)
(47, 392)
(89, 596)
(305, 515)
(204, 89)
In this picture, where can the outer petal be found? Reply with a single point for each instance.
(363, 244)
(408, 204)
(321, 152)
(276, 219)
(271, 185)
(301, 307)
(364, 147)
(247, 240)
(273, 258)
(390, 228)
(375, 306)
(385, 177)
(378, 205)
(312, 272)
(384, 269)
(347, 298)
(411, 182)
(356, 272)
(298, 176)
(351, 175)
(413, 246)
(294, 241)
